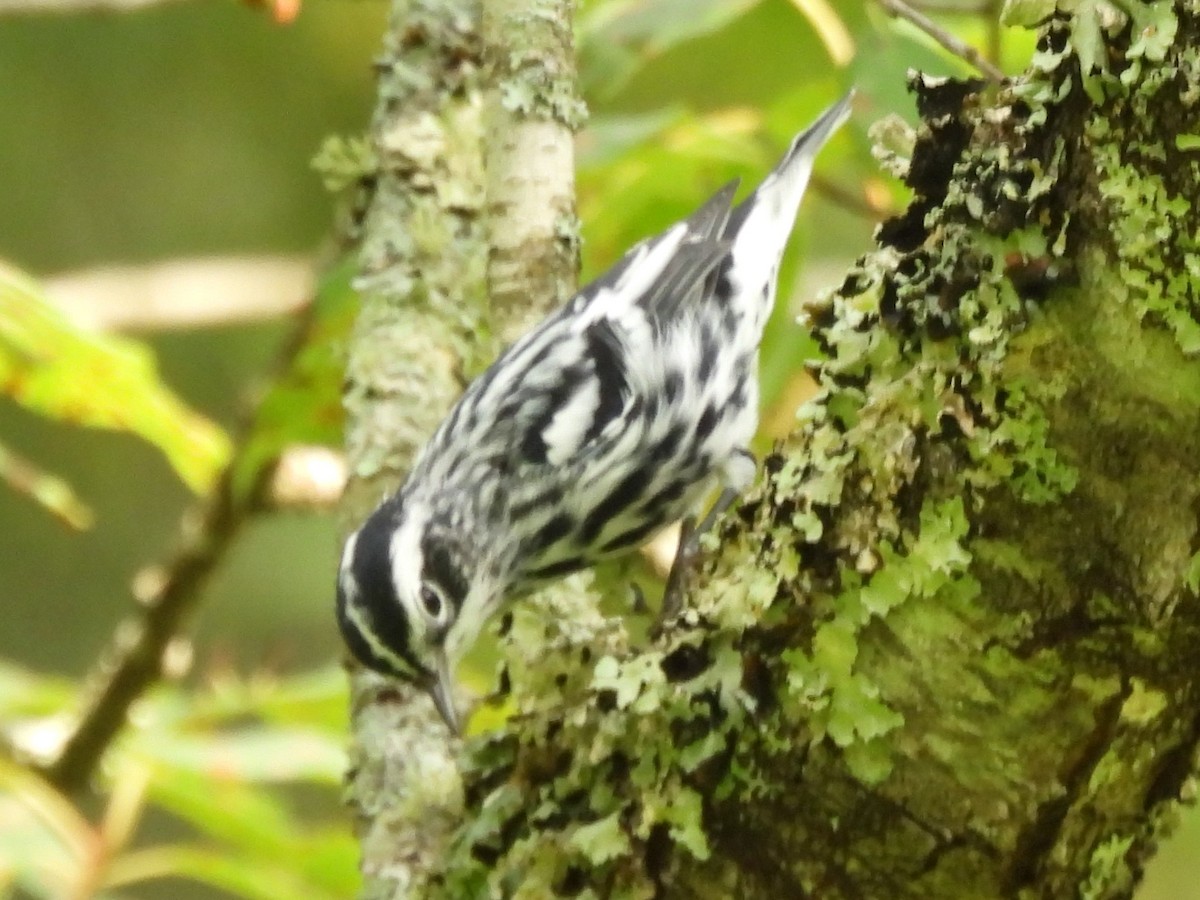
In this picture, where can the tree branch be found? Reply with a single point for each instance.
(251, 481)
(423, 264)
(532, 112)
(959, 48)
(443, 61)
(134, 659)
(184, 293)
(947, 647)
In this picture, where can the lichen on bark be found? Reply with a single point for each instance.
(422, 277)
(946, 647)
(532, 111)
(468, 234)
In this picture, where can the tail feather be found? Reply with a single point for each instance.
(759, 227)
(784, 187)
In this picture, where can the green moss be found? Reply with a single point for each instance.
(922, 506)
(825, 689)
(1154, 231)
(1109, 874)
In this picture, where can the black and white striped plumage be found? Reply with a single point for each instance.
(608, 421)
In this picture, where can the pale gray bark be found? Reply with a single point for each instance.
(468, 234)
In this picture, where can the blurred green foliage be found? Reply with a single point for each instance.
(211, 759)
(188, 129)
(303, 403)
(56, 369)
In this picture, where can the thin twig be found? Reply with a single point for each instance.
(74, 7)
(995, 32)
(45, 488)
(962, 7)
(134, 658)
(184, 293)
(959, 48)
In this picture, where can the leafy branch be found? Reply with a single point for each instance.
(300, 408)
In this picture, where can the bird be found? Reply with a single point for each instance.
(611, 419)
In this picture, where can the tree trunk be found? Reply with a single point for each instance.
(423, 270)
(948, 644)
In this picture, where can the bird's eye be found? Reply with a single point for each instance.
(432, 602)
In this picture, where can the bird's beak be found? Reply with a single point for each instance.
(441, 689)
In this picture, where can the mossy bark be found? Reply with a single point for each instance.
(947, 647)
(468, 233)
(532, 112)
(423, 267)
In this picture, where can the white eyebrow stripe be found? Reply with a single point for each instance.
(404, 554)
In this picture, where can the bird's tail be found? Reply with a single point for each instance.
(760, 225)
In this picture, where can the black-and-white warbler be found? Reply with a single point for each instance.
(609, 420)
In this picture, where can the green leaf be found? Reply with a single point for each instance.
(319, 699)
(304, 403)
(57, 370)
(29, 799)
(25, 694)
(252, 753)
(657, 25)
(1026, 13)
(32, 859)
(312, 700)
(625, 196)
(237, 875)
(607, 138)
(220, 807)
(253, 822)
(618, 37)
(602, 840)
(256, 822)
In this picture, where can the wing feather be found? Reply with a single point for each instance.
(683, 281)
(617, 320)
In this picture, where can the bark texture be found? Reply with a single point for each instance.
(469, 233)
(423, 265)
(532, 112)
(947, 646)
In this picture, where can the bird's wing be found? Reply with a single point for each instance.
(600, 354)
(552, 394)
(663, 275)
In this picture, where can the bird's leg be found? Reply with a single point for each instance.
(685, 552)
(739, 473)
(718, 509)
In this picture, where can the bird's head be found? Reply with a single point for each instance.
(406, 589)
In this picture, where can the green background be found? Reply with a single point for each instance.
(188, 130)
